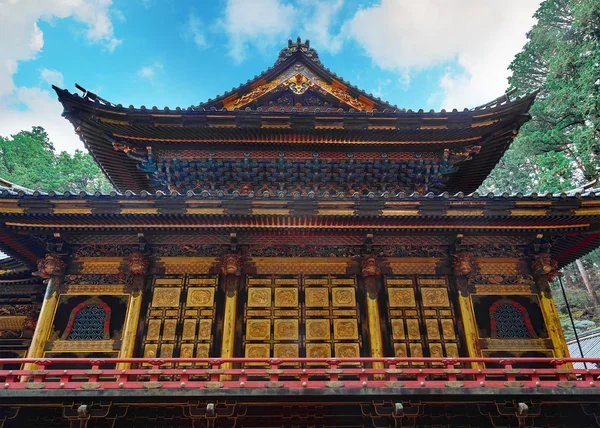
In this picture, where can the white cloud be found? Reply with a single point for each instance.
(482, 36)
(318, 23)
(150, 71)
(258, 23)
(264, 24)
(193, 30)
(40, 108)
(53, 77)
(22, 40)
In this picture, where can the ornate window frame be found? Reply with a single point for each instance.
(82, 305)
(516, 305)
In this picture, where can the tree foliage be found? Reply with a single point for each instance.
(559, 149)
(30, 160)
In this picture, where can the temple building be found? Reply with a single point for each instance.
(295, 252)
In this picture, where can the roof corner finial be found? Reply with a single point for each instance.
(289, 43)
(298, 41)
(307, 43)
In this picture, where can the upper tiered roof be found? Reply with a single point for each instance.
(295, 128)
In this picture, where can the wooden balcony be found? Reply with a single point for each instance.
(280, 376)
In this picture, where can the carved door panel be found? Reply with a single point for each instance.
(331, 317)
(421, 317)
(180, 317)
(301, 316)
(438, 316)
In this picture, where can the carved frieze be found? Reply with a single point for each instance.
(412, 251)
(189, 250)
(94, 279)
(302, 251)
(520, 279)
(104, 250)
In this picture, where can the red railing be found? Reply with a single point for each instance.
(171, 373)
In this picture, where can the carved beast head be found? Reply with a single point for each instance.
(137, 264)
(543, 264)
(370, 267)
(232, 264)
(463, 263)
(50, 265)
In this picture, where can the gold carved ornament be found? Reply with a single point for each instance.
(343, 95)
(251, 96)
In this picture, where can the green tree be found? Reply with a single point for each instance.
(30, 160)
(559, 148)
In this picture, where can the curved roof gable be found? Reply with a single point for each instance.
(298, 69)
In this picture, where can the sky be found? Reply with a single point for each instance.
(428, 54)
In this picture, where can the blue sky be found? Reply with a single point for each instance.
(427, 54)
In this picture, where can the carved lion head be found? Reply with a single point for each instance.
(462, 264)
(50, 265)
(370, 267)
(137, 264)
(232, 264)
(543, 264)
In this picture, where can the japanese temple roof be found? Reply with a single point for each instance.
(16, 278)
(252, 119)
(574, 217)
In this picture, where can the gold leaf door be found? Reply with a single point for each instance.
(180, 318)
(301, 316)
(421, 317)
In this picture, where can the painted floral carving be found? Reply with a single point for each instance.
(50, 265)
(462, 265)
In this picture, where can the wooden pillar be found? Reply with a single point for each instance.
(231, 270)
(52, 268)
(469, 324)
(137, 269)
(544, 270)
(462, 267)
(371, 275)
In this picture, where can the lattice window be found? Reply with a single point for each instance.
(509, 320)
(89, 321)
